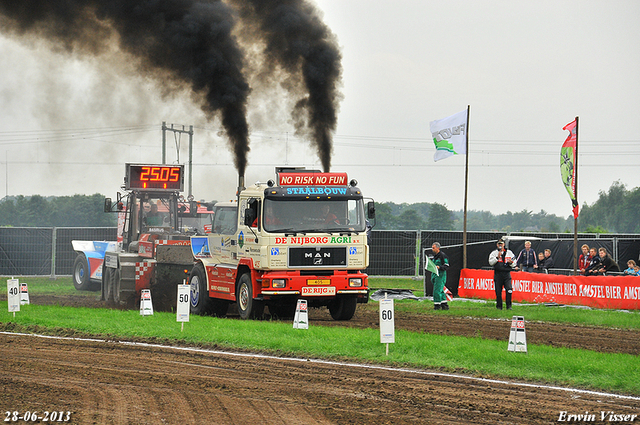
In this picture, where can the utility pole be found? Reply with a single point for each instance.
(164, 149)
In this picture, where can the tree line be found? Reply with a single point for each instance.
(616, 211)
(55, 211)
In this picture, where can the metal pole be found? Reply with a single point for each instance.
(418, 243)
(575, 219)
(164, 142)
(466, 186)
(190, 159)
(54, 238)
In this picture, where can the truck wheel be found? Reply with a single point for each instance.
(248, 308)
(116, 287)
(106, 281)
(200, 302)
(109, 283)
(81, 273)
(343, 308)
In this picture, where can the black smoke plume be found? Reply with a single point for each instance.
(298, 41)
(191, 42)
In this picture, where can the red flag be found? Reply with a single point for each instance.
(567, 163)
(448, 293)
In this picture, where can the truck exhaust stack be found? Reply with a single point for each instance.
(241, 184)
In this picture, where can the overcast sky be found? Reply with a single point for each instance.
(68, 123)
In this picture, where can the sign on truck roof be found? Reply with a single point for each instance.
(154, 177)
(312, 179)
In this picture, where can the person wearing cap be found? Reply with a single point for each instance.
(503, 261)
(442, 263)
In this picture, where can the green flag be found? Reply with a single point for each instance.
(431, 266)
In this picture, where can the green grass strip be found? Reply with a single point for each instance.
(63, 286)
(618, 373)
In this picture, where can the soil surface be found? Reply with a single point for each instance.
(110, 382)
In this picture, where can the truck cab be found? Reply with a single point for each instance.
(302, 237)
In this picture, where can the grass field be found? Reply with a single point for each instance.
(586, 369)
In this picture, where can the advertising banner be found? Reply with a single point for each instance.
(615, 292)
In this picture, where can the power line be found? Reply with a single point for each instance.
(480, 147)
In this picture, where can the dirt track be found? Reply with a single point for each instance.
(114, 383)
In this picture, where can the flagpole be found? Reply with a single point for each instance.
(575, 219)
(466, 185)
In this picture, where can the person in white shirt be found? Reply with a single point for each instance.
(503, 261)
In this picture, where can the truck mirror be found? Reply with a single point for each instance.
(107, 204)
(249, 216)
(371, 210)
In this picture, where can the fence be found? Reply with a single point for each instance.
(33, 251)
(46, 251)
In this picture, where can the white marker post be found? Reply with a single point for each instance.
(13, 295)
(24, 294)
(301, 318)
(182, 307)
(517, 336)
(387, 323)
(146, 306)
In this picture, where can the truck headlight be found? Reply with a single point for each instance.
(278, 283)
(355, 282)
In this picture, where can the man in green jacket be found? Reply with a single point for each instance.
(438, 280)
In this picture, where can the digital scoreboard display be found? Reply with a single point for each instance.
(155, 177)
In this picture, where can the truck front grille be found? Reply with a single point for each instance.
(318, 257)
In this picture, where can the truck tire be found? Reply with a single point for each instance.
(248, 308)
(343, 308)
(121, 299)
(109, 283)
(200, 302)
(106, 281)
(116, 287)
(81, 273)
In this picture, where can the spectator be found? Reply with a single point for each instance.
(607, 264)
(540, 268)
(442, 263)
(637, 269)
(548, 260)
(527, 261)
(592, 268)
(585, 259)
(503, 261)
(631, 268)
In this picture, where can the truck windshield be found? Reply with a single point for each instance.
(200, 224)
(157, 213)
(305, 216)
